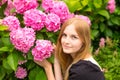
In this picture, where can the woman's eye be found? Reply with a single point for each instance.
(74, 37)
(64, 35)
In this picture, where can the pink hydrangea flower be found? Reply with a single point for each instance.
(102, 42)
(21, 73)
(47, 5)
(52, 22)
(61, 9)
(24, 5)
(10, 9)
(34, 18)
(2, 2)
(42, 50)
(12, 22)
(84, 18)
(23, 39)
(111, 6)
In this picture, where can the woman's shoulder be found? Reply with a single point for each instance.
(86, 64)
(85, 70)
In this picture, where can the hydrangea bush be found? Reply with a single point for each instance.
(28, 28)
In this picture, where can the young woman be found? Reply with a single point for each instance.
(73, 60)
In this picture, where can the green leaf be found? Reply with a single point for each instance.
(39, 74)
(12, 60)
(73, 5)
(97, 3)
(94, 33)
(115, 20)
(108, 32)
(2, 73)
(6, 41)
(30, 64)
(3, 27)
(51, 59)
(104, 13)
(6, 65)
(4, 49)
(49, 34)
(102, 27)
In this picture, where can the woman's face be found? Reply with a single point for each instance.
(70, 41)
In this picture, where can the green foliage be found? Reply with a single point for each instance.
(109, 58)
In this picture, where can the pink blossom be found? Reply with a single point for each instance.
(24, 5)
(47, 5)
(42, 50)
(61, 9)
(23, 39)
(52, 22)
(12, 22)
(10, 9)
(102, 42)
(2, 2)
(21, 73)
(20, 62)
(34, 18)
(111, 6)
(84, 18)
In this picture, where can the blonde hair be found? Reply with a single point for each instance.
(83, 31)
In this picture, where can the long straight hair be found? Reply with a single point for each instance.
(83, 30)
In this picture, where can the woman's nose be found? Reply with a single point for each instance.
(67, 40)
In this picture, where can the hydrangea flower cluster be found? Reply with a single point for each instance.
(47, 5)
(42, 50)
(34, 18)
(2, 2)
(23, 39)
(61, 9)
(12, 22)
(84, 18)
(57, 7)
(52, 22)
(24, 5)
(21, 73)
(10, 9)
(111, 6)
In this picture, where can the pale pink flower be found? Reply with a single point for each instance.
(47, 5)
(42, 50)
(10, 9)
(12, 22)
(102, 42)
(24, 5)
(20, 62)
(97, 51)
(61, 9)
(52, 22)
(34, 18)
(21, 73)
(111, 6)
(84, 18)
(23, 39)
